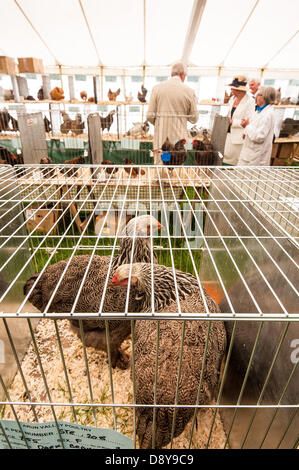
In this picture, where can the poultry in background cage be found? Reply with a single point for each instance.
(112, 95)
(174, 154)
(57, 94)
(47, 172)
(65, 127)
(83, 95)
(107, 121)
(139, 130)
(141, 96)
(134, 172)
(77, 125)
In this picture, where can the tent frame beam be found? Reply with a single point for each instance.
(195, 19)
(221, 65)
(100, 63)
(37, 33)
(279, 51)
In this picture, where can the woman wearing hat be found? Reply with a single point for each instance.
(241, 106)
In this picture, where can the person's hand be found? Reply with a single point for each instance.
(244, 122)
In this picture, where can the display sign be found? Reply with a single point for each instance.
(59, 435)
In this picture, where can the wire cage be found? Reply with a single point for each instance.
(127, 136)
(235, 230)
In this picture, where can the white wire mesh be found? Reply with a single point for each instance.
(235, 230)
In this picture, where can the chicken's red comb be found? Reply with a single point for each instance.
(115, 278)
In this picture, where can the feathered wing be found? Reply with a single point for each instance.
(70, 283)
(196, 333)
(167, 283)
(169, 347)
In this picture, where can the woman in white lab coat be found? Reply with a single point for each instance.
(241, 106)
(259, 131)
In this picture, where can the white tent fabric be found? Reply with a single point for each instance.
(232, 34)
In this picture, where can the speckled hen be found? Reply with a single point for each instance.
(196, 333)
(92, 290)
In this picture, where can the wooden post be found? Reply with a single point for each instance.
(46, 86)
(102, 83)
(15, 88)
(71, 87)
(23, 86)
(96, 87)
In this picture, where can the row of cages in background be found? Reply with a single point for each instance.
(60, 133)
(128, 88)
(118, 119)
(163, 307)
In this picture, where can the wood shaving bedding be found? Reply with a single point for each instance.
(46, 339)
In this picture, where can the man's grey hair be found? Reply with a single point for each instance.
(178, 68)
(268, 93)
(257, 81)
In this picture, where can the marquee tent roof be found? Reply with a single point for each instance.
(213, 36)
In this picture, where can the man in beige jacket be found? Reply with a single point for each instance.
(172, 104)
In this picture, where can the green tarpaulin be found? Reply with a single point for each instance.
(112, 151)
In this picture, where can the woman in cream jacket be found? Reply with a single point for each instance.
(241, 106)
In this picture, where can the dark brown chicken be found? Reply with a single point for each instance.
(4, 120)
(134, 172)
(77, 125)
(108, 170)
(203, 154)
(73, 171)
(14, 123)
(106, 122)
(47, 172)
(8, 156)
(112, 95)
(289, 127)
(47, 124)
(40, 94)
(167, 146)
(141, 96)
(170, 337)
(65, 127)
(83, 95)
(178, 154)
(167, 149)
(68, 280)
